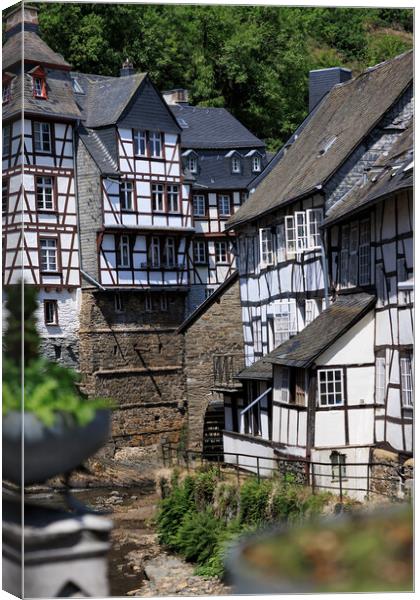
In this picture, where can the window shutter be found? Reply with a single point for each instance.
(289, 223)
(314, 219)
(380, 379)
(301, 237)
(281, 243)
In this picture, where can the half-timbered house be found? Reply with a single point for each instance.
(325, 267)
(38, 186)
(223, 157)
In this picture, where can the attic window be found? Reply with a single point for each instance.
(256, 163)
(77, 88)
(182, 123)
(39, 87)
(326, 145)
(192, 163)
(236, 165)
(6, 91)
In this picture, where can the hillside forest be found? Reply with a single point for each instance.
(253, 60)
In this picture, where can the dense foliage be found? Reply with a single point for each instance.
(203, 513)
(253, 60)
(49, 389)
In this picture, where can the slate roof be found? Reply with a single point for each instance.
(98, 151)
(215, 171)
(105, 98)
(60, 101)
(259, 370)
(302, 349)
(35, 49)
(213, 128)
(346, 115)
(396, 175)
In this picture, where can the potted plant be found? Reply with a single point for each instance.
(49, 427)
(369, 551)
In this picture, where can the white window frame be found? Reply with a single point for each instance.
(123, 252)
(155, 261)
(323, 396)
(37, 86)
(236, 164)
(49, 255)
(406, 381)
(380, 380)
(314, 220)
(158, 197)
(364, 253)
(192, 164)
(169, 253)
(310, 310)
(257, 335)
(285, 320)
(285, 385)
(42, 136)
(301, 233)
(223, 201)
(221, 256)
(44, 191)
(354, 254)
(199, 205)
(140, 142)
(281, 243)
(51, 307)
(290, 234)
(256, 163)
(266, 247)
(172, 194)
(199, 252)
(155, 144)
(126, 195)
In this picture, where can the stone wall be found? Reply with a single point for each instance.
(135, 358)
(386, 472)
(218, 329)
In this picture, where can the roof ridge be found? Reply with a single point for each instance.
(102, 147)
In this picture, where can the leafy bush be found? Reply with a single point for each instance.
(204, 488)
(198, 536)
(226, 501)
(172, 510)
(253, 501)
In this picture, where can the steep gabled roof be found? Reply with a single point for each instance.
(396, 175)
(98, 151)
(106, 98)
(344, 117)
(35, 49)
(302, 349)
(213, 128)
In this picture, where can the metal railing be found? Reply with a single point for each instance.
(225, 367)
(371, 479)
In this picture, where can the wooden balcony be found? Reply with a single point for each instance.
(225, 367)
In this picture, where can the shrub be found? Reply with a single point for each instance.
(226, 501)
(254, 497)
(204, 488)
(172, 510)
(198, 536)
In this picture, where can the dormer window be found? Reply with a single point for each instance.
(256, 163)
(192, 164)
(155, 144)
(6, 92)
(39, 83)
(7, 86)
(236, 165)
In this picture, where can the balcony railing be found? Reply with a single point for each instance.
(225, 367)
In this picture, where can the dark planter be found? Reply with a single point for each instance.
(247, 578)
(48, 451)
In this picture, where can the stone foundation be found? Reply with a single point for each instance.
(134, 357)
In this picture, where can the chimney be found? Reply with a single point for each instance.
(322, 80)
(127, 68)
(26, 15)
(178, 96)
